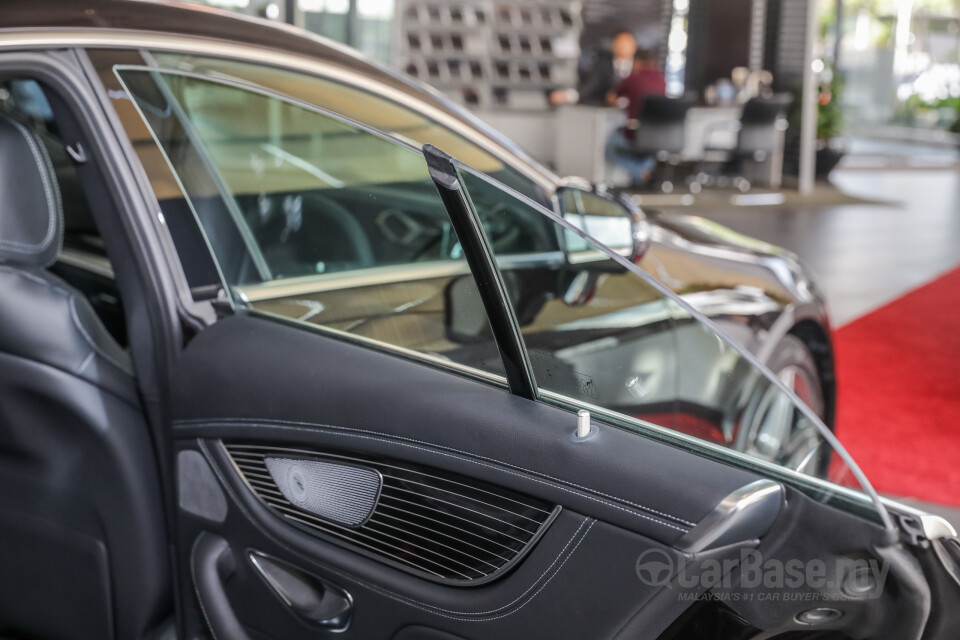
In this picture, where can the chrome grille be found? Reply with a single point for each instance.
(439, 525)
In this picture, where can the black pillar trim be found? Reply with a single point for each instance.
(483, 265)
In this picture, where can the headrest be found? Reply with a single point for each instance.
(31, 215)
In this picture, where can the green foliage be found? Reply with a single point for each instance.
(830, 114)
(909, 109)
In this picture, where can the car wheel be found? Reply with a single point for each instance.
(772, 429)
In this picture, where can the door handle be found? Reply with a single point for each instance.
(746, 514)
(316, 601)
(212, 562)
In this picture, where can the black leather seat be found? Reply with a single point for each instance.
(82, 537)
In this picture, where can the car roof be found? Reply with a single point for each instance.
(198, 21)
(189, 20)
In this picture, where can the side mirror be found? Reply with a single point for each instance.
(610, 218)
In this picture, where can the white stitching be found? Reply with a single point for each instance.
(215, 421)
(380, 436)
(35, 279)
(53, 201)
(423, 606)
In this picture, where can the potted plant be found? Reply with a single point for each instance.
(830, 144)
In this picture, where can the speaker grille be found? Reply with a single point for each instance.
(337, 492)
(438, 525)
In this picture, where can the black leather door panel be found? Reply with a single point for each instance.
(259, 380)
(579, 581)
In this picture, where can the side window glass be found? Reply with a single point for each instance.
(601, 337)
(316, 219)
(365, 106)
(577, 308)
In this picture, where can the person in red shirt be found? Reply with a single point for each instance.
(645, 79)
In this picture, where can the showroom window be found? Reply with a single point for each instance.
(319, 220)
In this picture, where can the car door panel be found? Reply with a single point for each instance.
(588, 554)
(366, 402)
(619, 496)
(255, 380)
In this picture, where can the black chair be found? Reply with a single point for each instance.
(759, 130)
(661, 133)
(83, 544)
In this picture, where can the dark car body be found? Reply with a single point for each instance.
(280, 456)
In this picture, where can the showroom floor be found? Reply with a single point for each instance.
(899, 230)
(865, 255)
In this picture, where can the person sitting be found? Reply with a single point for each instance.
(646, 79)
(602, 73)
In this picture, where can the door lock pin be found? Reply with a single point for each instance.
(584, 430)
(583, 423)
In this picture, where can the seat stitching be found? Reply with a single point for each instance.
(280, 424)
(38, 159)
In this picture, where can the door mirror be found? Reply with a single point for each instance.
(608, 217)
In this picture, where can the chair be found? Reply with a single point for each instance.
(82, 535)
(661, 133)
(759, 130)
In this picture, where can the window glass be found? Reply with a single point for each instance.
(601, 336)
(365, 107)
(316, 219)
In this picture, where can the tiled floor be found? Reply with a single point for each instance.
(865, 255)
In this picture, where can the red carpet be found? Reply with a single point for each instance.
(898, 407)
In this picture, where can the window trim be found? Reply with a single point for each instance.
(479, 254)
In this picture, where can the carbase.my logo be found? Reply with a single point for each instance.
(862, 579)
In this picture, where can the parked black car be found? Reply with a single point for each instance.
(291, 346)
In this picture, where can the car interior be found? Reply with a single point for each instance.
(82, 539)
(460, 510)
(83, 261)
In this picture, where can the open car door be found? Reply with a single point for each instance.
(432, 409)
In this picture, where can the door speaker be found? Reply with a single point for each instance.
(339, 493)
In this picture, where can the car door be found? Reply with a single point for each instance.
(418, 415)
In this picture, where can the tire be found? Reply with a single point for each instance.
(772, 429)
